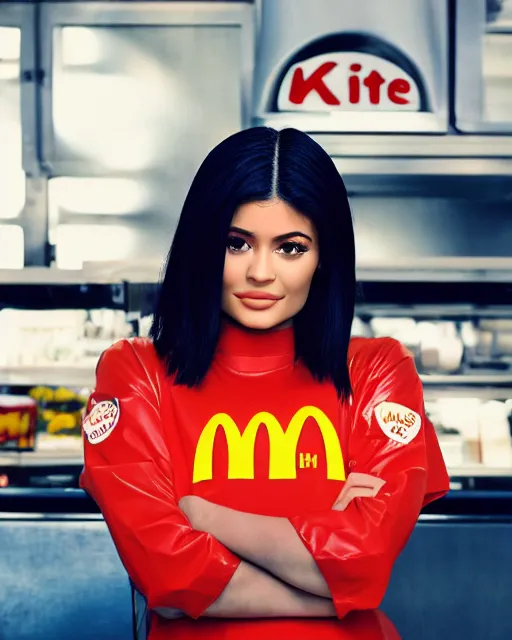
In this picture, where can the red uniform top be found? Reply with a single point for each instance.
(149, 442)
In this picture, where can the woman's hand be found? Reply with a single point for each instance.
(358, 485)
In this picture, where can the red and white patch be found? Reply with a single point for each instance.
(101, 420)
(398, 422)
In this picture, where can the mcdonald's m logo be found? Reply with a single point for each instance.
(283, 446)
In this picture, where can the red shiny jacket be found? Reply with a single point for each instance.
(148, 442)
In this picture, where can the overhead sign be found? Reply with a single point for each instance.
(347, 81)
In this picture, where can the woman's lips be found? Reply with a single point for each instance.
(257, 295)
(257, 300)
(259, 304)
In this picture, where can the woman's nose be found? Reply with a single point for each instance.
(261, 267)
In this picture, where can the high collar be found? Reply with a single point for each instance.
(252, 352)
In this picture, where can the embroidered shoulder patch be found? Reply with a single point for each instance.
(99, 423)
(398, 422)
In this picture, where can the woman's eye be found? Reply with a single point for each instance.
(292, 248)
(237, 245)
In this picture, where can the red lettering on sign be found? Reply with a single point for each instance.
(374, 82)
(357, 80)
(400, 85)
(302, 87)
(354, 85)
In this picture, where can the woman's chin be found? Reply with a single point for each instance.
(258, 322)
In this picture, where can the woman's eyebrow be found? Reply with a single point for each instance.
(293, 234)
(284, 236)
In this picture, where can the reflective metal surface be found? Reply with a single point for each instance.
(450, 582)
(18, 243)
(390, 228)
(178, 63)
(451, 166)
(134, 99)
(483, 59)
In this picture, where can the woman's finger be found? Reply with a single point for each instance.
(363, 480)
(354, 492)
(349, 493)
(360, 480)
(356, 480)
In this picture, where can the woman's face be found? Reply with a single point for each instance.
(271, 257)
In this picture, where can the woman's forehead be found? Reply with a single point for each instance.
(272, 218)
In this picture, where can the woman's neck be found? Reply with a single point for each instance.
(255, 351)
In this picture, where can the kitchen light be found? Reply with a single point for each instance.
(80, 46)
(79, 243)
(102, 116)
(9, 70)
(11, 247)
(91, 196)
(10, 43)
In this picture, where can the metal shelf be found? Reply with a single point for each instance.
(129, 286)
(492, 290)
(437, 269)
(102, 273)
(40, 275)
(84, 376)
(434, 311)
(426, 165)
(467, 380)
(448, 147)
(433, 393)
(51, 375)
(480, 471)
(45, 458)
(66, 458)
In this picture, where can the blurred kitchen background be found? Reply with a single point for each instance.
(106, 111)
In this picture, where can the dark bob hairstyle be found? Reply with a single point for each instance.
(253, 165)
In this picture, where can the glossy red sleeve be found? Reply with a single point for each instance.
(130, 476)
(355, 549)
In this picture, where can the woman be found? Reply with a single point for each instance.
(214, 515)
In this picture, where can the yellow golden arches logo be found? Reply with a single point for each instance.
(283, 446)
